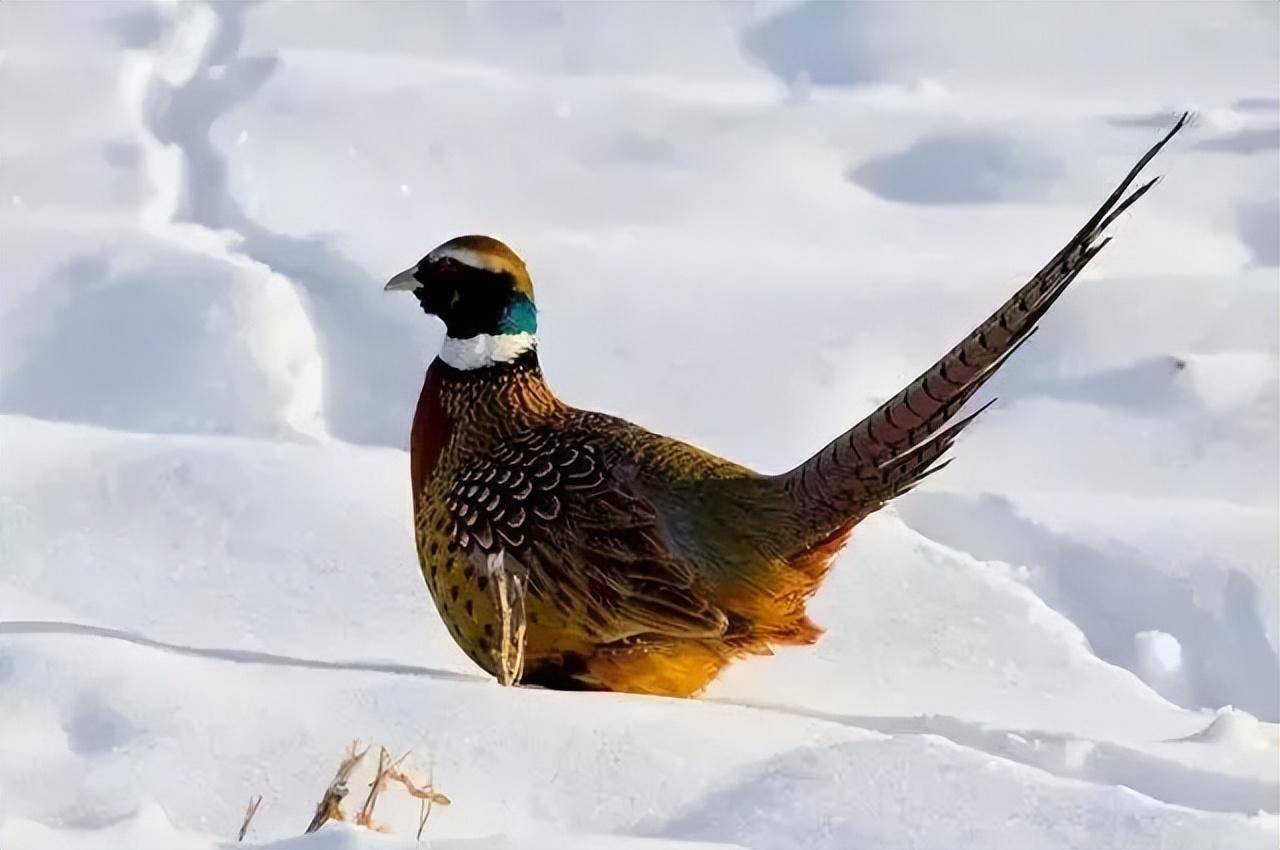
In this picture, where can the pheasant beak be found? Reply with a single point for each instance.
(405, 281)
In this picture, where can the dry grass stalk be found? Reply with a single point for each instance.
(383, 774)
(330, 805)
(511, 596)
(388, 771)
(426, 794)
(248, 816)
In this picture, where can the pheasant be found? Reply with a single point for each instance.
(574, 550)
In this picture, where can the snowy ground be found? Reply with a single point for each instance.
(748, 224)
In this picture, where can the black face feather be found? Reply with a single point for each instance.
(472, 301)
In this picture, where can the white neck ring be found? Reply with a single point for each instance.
(482, 350)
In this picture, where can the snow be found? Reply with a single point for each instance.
(207, 578)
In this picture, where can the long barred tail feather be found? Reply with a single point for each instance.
(897, 446)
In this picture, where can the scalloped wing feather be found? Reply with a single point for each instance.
(590, 544)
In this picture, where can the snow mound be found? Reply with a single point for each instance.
(253, 656)
(1241, 730)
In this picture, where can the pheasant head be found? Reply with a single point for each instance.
(481, 290)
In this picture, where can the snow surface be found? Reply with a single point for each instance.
(733, 213)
